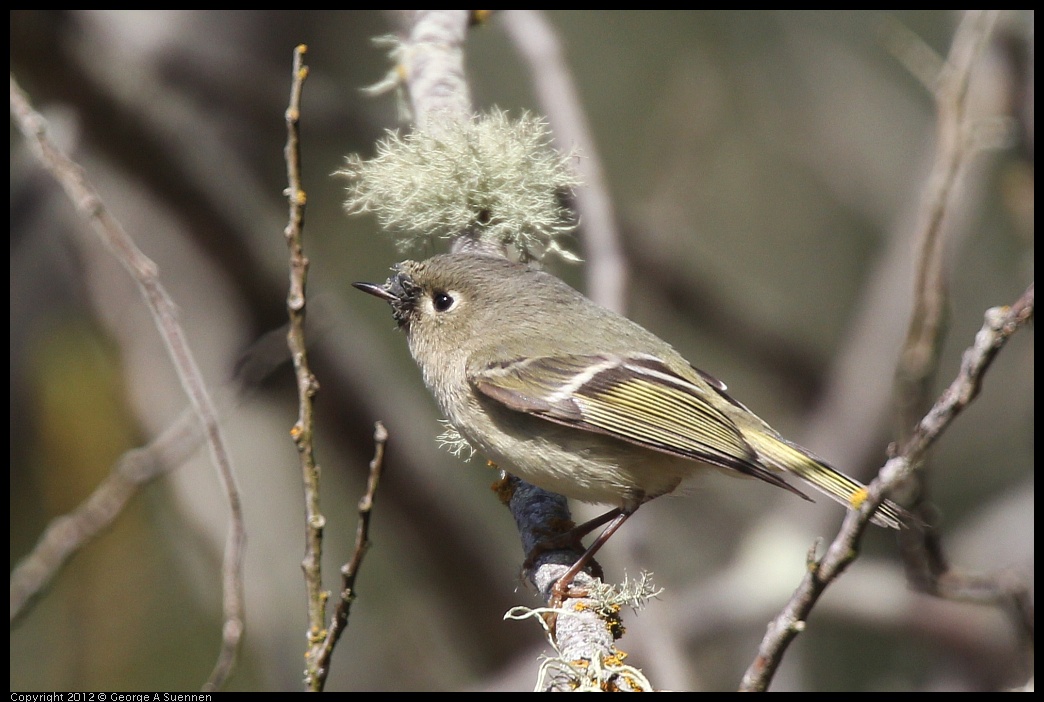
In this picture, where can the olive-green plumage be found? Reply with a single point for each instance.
(577, 399)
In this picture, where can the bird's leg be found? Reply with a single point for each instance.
(570, 538)
(618, 517)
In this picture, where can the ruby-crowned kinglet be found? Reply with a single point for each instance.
(577, 399)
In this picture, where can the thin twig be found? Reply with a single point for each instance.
(1000, 324)
(350, 570)
(927, 567)
(145, 273)
(304, 428)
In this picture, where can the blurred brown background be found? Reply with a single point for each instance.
(765, 169)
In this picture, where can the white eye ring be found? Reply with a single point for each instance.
(444, 301)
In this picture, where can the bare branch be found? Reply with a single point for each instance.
(67, 534)
(606, 268)
(303, 430)
(350, 570)
(919, 356)
(1000, 324)
(145, 273)
(954, 149)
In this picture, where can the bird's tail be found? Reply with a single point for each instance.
(791, 458)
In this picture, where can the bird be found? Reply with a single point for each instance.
(579, 400)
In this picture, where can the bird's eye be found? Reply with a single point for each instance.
(442, 301)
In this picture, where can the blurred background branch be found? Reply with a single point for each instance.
(145, 275)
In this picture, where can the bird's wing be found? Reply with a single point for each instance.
(636, 399)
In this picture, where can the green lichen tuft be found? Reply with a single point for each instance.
(491, 178)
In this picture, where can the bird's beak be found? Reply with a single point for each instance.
(376, 290)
